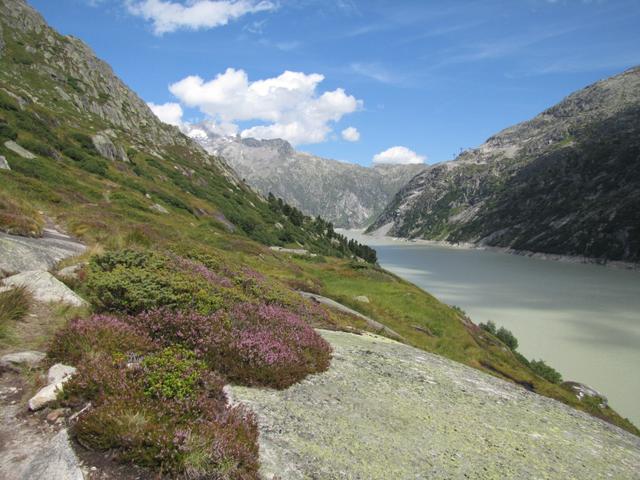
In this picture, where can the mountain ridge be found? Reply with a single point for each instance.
(347, 194)
(565, 182)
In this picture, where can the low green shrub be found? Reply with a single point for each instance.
(545, 371)
(99, 334)
(38, 148)
(195, 435)
(172, 373)
(505, 336)
(8, 132)
(490, 327)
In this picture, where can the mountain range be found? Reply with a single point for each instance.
(347, 194)
(566, 182)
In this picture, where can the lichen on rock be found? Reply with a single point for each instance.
(386, 410)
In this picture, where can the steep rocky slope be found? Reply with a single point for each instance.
(385, 410)
(83, 148)
(346, 194)
(566, 182)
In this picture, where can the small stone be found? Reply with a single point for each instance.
(4, 165)
(362, 299)
(156, 207)
(60, 373)
(57, 376)
(55, 415)
(44, 396)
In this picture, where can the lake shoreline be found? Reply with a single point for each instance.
(580, 319)
(616, 264)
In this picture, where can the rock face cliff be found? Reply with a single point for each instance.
(566, 182)
(346, 194)
(46, 69)
(386, 410)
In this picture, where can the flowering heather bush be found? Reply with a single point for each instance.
(273, 346)
(201, 333)
(250, 344)
(197, 268)
(82, 338)
(185, 430)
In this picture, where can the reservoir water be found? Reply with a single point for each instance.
(584, 320)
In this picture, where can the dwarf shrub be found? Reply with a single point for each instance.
(131, 282)
(172, 373)
(545, 371)
(83, 338)
(251, 344)
(196, 435)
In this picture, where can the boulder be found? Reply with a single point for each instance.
(70, 271)
(13, 361)
(362, 299)
(56, 461)
(17, 149)
(44, 287)
(108, 149)
(4, 165)
(19, 254)
(581, 391)
(385, 410)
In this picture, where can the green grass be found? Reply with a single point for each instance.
(14, 306)
(18, 217)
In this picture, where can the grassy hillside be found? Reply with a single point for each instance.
(171, 228)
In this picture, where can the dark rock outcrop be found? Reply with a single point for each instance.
(566, 182)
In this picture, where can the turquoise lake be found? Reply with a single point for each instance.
(582, 319)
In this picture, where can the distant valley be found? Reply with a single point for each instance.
(346, 194)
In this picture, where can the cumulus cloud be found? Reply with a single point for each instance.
(168, 16)
(398, 156)
(289, 105)
(170, 113)
(351, 134)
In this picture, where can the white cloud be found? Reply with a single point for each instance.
(170, 113)
(398, 156)
(289, 105)
(351, 134)
(168, 16)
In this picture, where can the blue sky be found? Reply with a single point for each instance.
(431, 77)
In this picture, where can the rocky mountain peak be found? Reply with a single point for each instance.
(346, 194)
